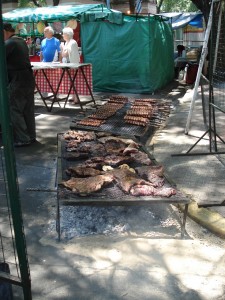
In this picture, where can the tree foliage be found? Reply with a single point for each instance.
(31, 3)
(176, 6)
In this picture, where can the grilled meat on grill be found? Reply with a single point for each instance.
(145, 170)
(141, 157)
(82, 171)
(114, 146)
(111, 160)
(147, 190)
(126, 179)
(152, 173)
(91, 122)
(117, 138)
(85, 186)
(93, 148)
(74, 155)
(80, 135)
(139, 112)
(131, 148)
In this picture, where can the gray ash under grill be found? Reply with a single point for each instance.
(111, 211)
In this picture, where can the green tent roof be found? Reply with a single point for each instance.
(50, 13)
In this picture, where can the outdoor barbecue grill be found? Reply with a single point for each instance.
(116, 124)
(109, 195)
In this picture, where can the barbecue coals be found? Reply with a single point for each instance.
(112, 161)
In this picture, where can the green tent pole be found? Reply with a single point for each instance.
(11, 174)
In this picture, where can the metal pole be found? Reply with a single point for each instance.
(201, 63)
(13, 190)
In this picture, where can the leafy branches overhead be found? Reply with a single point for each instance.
(32, 3)
(176, 5)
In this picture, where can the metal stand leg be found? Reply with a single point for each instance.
(58, 229)
(184, 220)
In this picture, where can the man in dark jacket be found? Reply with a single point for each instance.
(21, 86)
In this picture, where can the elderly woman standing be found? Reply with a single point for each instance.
(70, 53)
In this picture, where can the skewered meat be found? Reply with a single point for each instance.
(142, 105)
(136, 120)
(105, 111)
(85, 186)
(119, 98)
(139, 112)
(148, 100)
(91, 122)
(147, 190)
(82, 171)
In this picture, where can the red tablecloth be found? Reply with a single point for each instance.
(54, 78)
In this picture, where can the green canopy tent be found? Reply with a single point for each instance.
(134, 57)
(49, 13)
(128, 53)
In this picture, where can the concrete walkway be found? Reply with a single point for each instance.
(200, 176)
(148, 262)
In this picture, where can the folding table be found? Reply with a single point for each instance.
(53, 79)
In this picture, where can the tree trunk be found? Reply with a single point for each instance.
(56, 2)
(204, 7)
(132, 6)
(158, 6)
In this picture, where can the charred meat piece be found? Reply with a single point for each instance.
(76, 155)
(82, 171)
(127, 179)
(145, 170)
(93, 148)
(80, 135)
(72, 145)
(114, 146)
(131, 148)
(141, 157)
(102, 134)
(95, 162)
(103, 140)
(151, 173)
(85, 186)
(116, 160)
(146, 190)
(111, 160)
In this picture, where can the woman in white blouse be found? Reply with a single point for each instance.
(69, 50)
(70, 53)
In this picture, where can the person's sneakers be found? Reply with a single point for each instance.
(21, 144)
